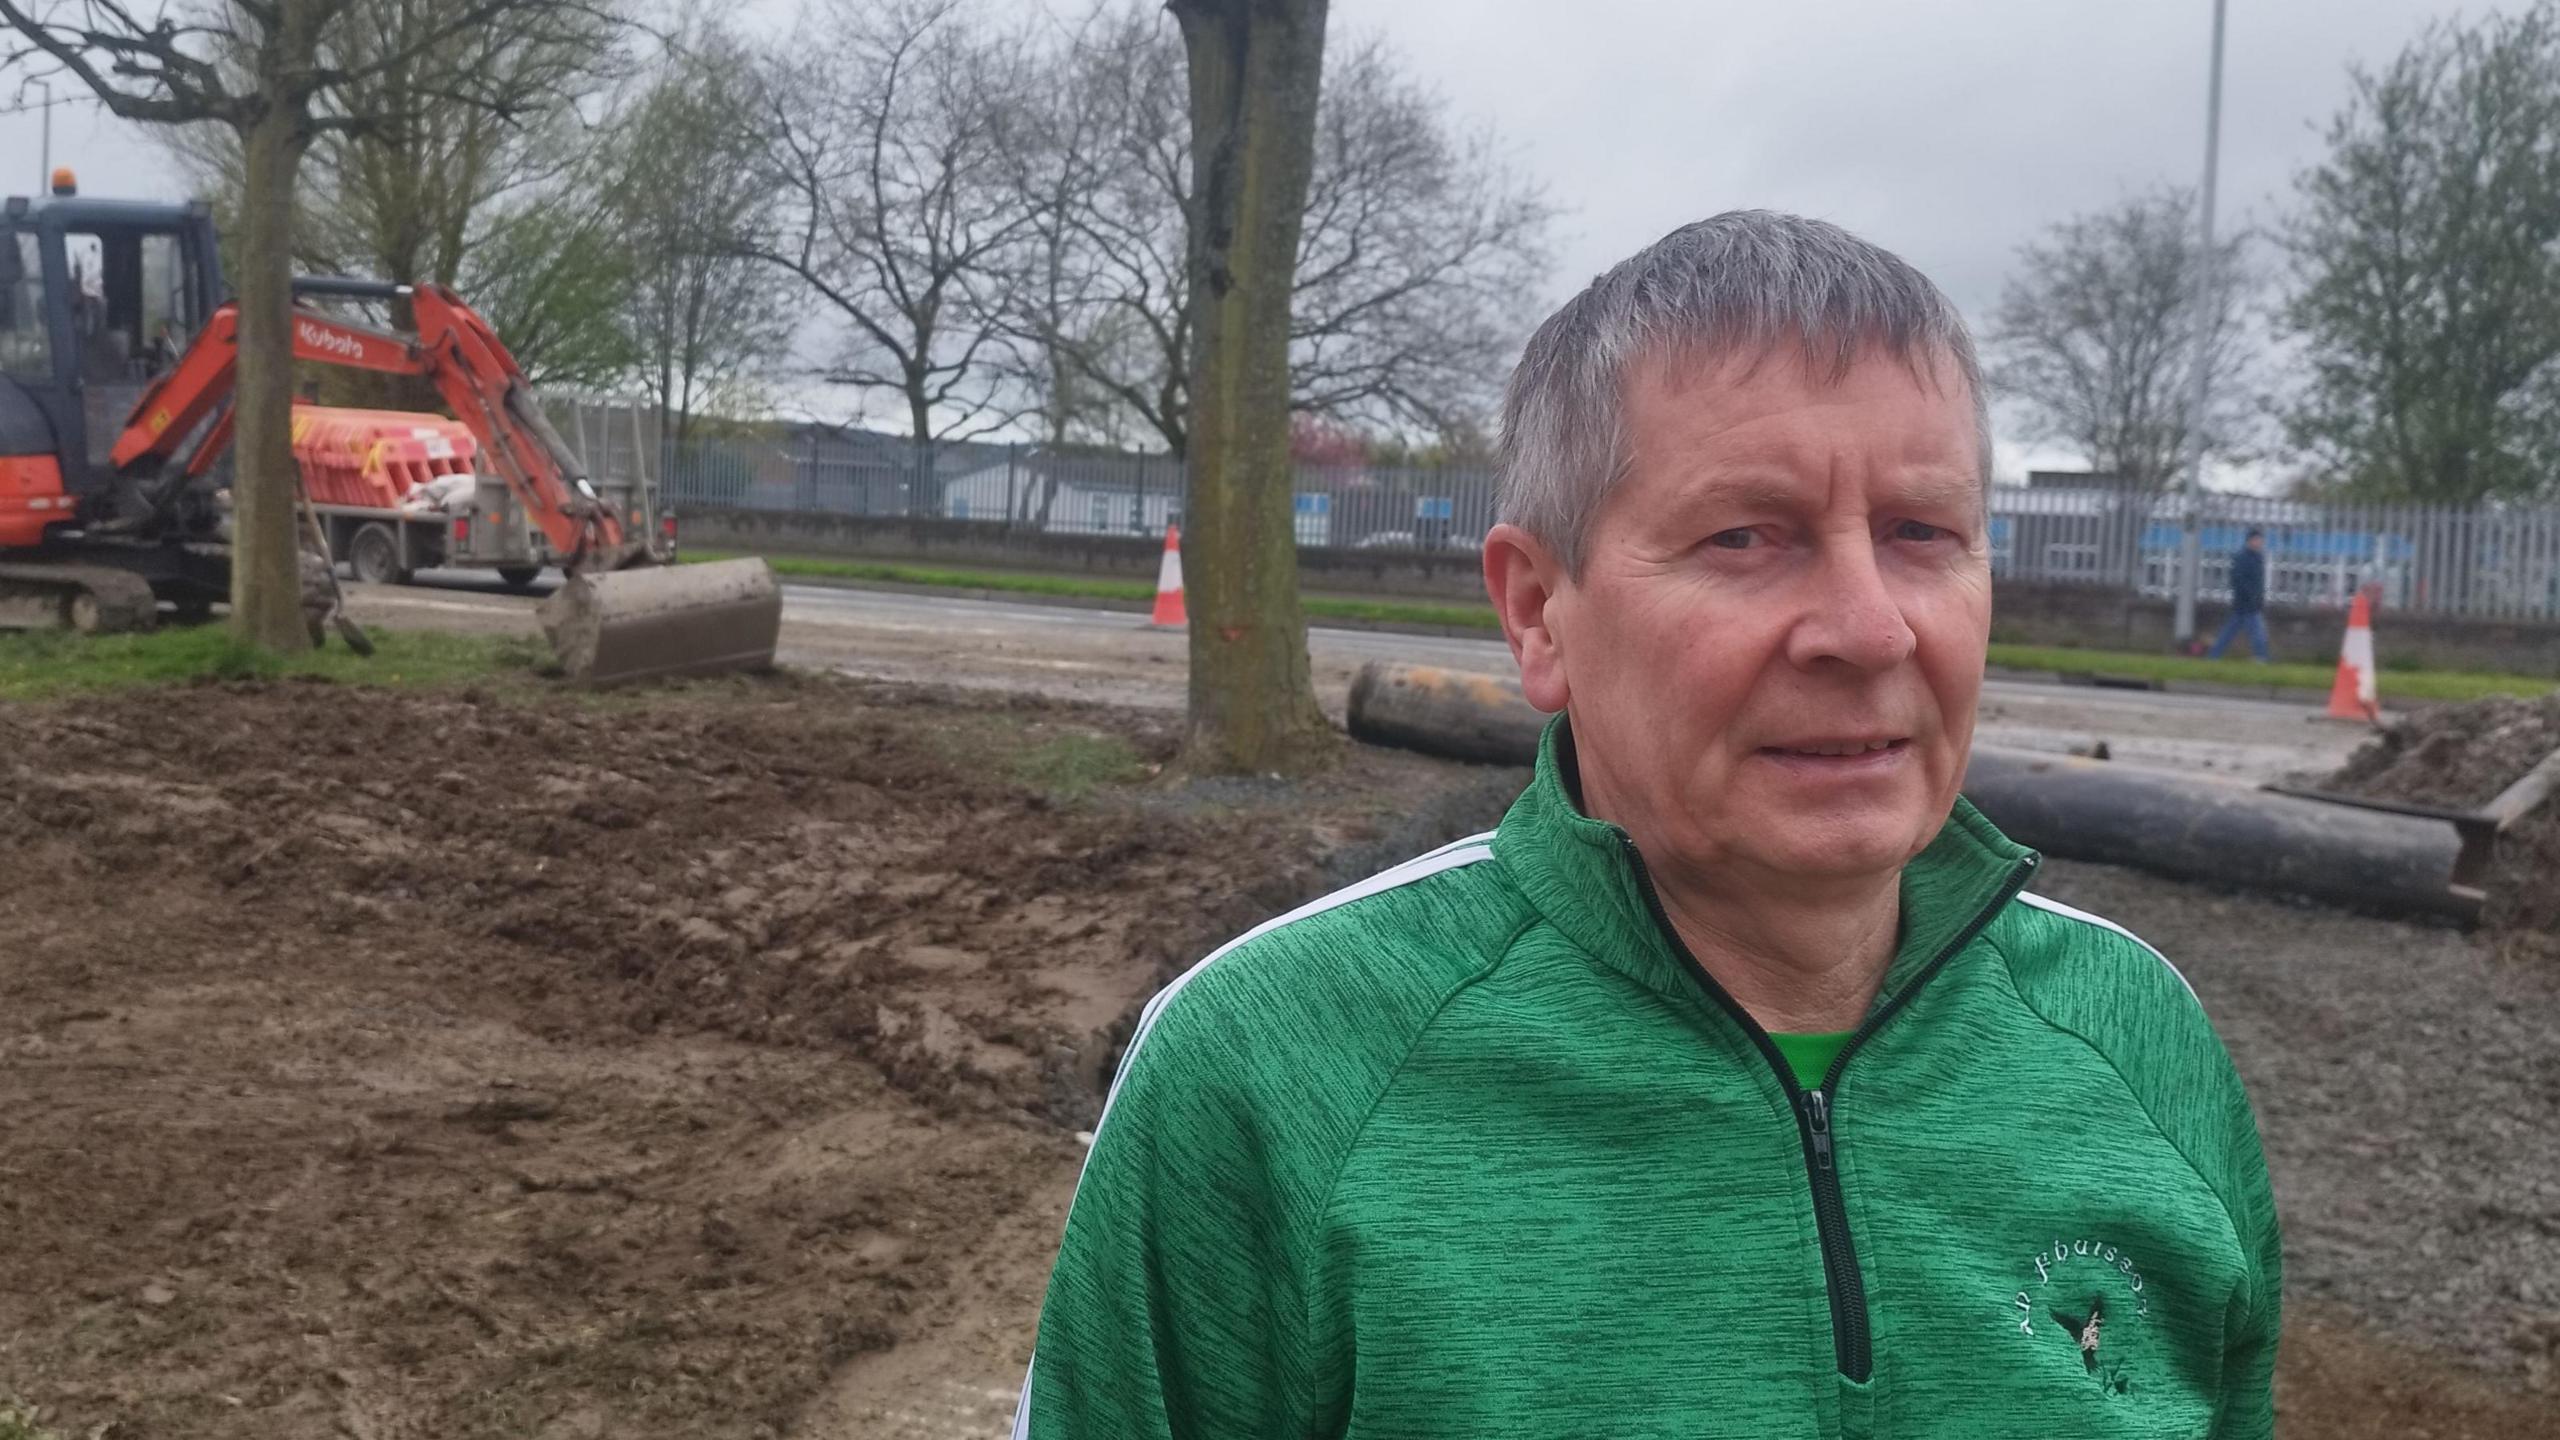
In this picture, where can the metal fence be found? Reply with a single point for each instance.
(2492, 561)
(617, 439)
(2495, 561)
(1024, 488)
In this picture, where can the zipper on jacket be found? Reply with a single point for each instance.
(1851, 1340)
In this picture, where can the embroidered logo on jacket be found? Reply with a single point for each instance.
(2070, 1299)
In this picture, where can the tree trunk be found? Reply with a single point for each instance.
(1255, 69)
(920, 480)
(266, 576)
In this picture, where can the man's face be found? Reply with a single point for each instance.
(1773, 653)
(2258, 543)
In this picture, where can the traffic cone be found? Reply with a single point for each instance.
(1170, 614)
(2354, 696)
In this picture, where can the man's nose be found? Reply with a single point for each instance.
(1850, 615)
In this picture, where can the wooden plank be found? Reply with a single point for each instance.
(2531, 790)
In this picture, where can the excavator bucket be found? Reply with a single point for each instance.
(656, 621)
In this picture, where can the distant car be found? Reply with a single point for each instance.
(1387, 540)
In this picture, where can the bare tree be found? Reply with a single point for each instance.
(1102, 307)
(705, 322)
(884, 130)
(1050, 154)
(2095, 338)
(1418, 252)
(1257, 69)
(1074, 142)
(280, 74)
(1422, 251)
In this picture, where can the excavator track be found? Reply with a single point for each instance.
(93, 599)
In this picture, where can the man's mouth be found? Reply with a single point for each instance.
(1841, 749)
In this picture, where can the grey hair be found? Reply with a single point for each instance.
(1742, 283)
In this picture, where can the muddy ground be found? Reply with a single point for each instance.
(2460, 757)
(496, 1063)
(461, 1066)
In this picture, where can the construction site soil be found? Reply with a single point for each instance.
(2460, 757)
(711, 1063)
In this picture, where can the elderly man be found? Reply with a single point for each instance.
(1736, 1085)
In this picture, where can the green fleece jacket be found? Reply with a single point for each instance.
(1475, 1148)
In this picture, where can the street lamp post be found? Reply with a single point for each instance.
(2191, 541)
(44, 177)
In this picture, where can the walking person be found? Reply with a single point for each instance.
(2248, 598)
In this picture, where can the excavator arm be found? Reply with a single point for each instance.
(454, 348)
(607, 628)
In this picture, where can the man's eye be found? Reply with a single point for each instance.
(1732, 539)
(1916, 530)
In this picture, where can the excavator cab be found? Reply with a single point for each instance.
(118, 352)
(97, 299)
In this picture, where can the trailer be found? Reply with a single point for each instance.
(401, 491)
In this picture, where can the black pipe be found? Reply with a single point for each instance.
(349, 287)
(2216, 831)
(2222, 833)
(1456, 714)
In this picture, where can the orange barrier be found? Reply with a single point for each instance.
(375, 458)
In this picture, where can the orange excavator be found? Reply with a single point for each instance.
(117, 363)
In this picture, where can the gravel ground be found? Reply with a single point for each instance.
(2407, 1081)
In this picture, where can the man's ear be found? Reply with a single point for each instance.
(1525, 579)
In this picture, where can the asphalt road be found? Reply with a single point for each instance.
(1112, 656)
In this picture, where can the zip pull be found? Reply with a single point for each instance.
(1817, 1114)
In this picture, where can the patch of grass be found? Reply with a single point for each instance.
(2174, 669)
(19, 1423)
(815, 568)
(1066, 763)
(1071, 766)
(1403, 612)
(46, 663)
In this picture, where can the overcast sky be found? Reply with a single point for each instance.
(1950, 131)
